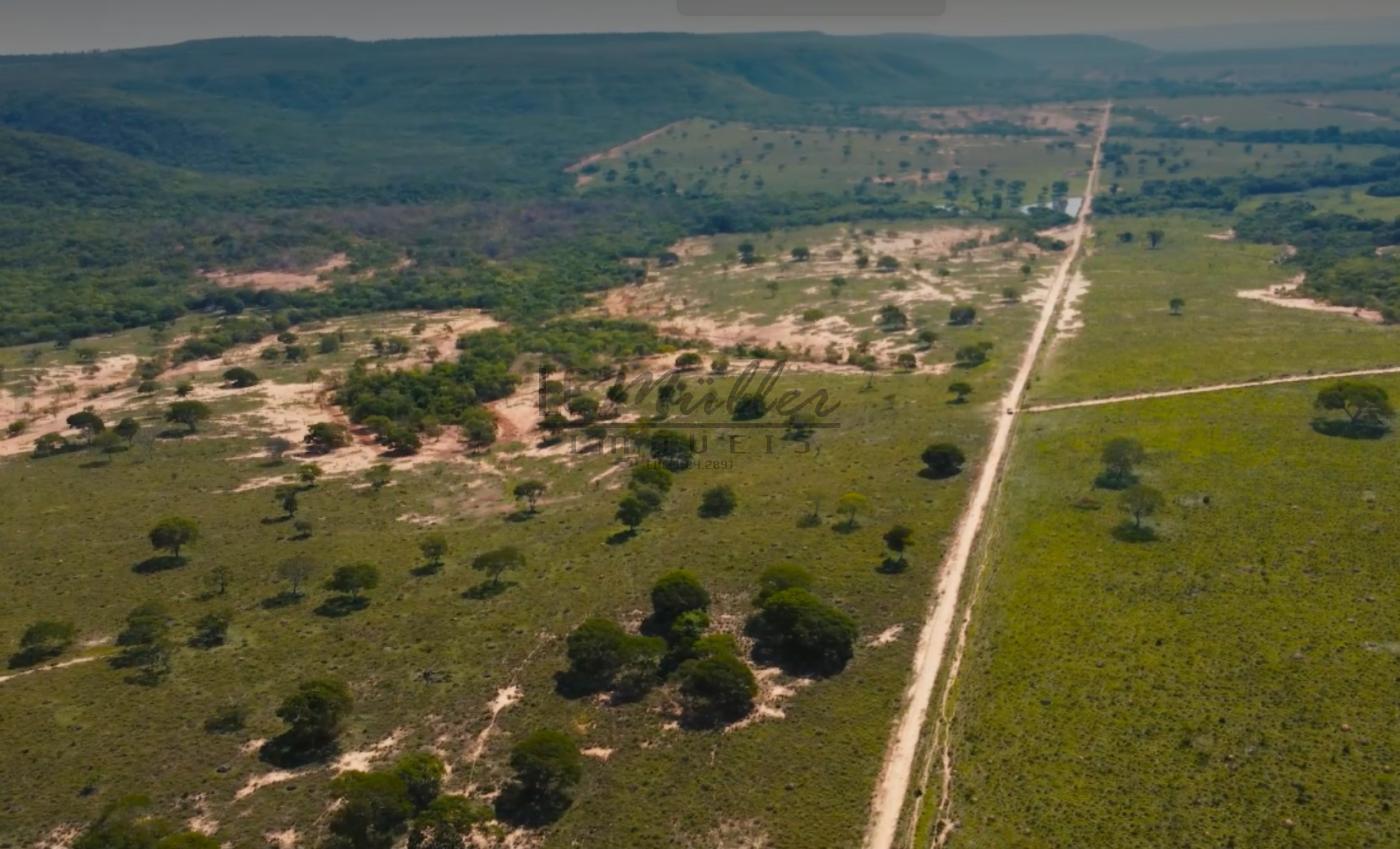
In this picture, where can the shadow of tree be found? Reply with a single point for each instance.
(281, 600)
(33, 656)
(940, 475)
(1128, 532)
(487, 589)
(1114, 480)
(286, 752)
(892, 566)
(341, 605)
(159, 563)
(1346, 429)
(622, 536)
(519, 806)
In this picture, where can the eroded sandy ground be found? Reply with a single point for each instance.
(279, 281)
(286, 410)
(921, 252)
(1286, 295)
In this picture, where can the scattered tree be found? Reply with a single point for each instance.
(127, 429)
(173, 533)
(422, 774)
(324, 437)
(286, 498)
(495, 562)
(239, 377)
(602, 656)
(750, 407)
(547, 766)
(717, 502)
(717, 688)
(850, 505)
(1176, 305)
(44, 640)
(211, 630)
(675, 593)
(943, 460)
(87, 423)
(354, 579)
(530, 491)
(1140, 501)
(315, 714)
(805, 632)
(898, 539)
(1120, 458)
(188, 413)
(434, 548)
(962, 315)
(378, 476)
(296, 571)
(960, 390)
(1366, 405)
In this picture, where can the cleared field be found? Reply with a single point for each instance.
(1127, 340)
(1230, 683)
(703, 157)
(432, 652)
(1364, 110)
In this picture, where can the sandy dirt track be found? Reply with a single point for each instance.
(892, 787)
(1215, 387)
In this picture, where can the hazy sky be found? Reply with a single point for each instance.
(40, 26)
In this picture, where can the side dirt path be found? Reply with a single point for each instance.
(892, 788)
(1215, 387)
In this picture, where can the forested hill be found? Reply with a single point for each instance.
(474, 116)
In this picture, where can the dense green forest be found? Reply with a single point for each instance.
(1341, 253)
(125, 174)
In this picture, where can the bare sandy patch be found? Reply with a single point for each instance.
(363, 759)
(279, 281)
(774, 689)
(597, 753)
(59, 837)
(63, 664)
(257, 782)
(285, 839)
(505, 698)
(1285, 295)
(1223, 236)
(58, 392)
(1070, 320)
(885, 637)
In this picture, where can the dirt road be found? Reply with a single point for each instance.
(1215, 387)
(892, 789)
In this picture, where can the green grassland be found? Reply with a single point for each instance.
(423, 659)
(1345, 201)
(1175, 159)
(704, 157)
(1231, 683)
(1131, 343)
(1359, 110)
